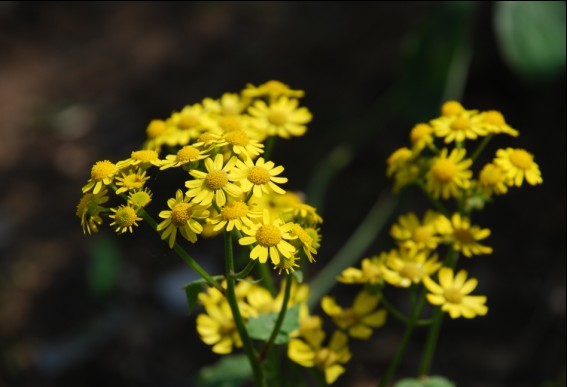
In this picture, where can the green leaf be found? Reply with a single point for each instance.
(229, 371)
(104, 266)
(427, 381)
(192, 291)
(531, 36)
(298, 274)
(261, 327)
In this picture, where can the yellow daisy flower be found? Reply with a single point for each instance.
(359, 320)
(140, 198)
(327, 359)
(286, 264)
(460, 127)
(125, 217)
(131, 179)
(518, 164)
(304, 241)
(189, 155)
(260, 178)
(404, 267)
(272, 89)
(235, 214)
(292, 208)
(102, 174)
(229, 104)
(414, 235)
(493, 121)
(281, 118)
(402, 167)
(182, 215)
(452, 293)
(214, 184)
(465, 237)
(371, 271)
(240, 143)
(89, 209)
(144, 158)
(271, 239)
(421, 136)
(217, 328)
(448, 174)
(310, 327)
(492, 180)
(451, 108)
(154, 131)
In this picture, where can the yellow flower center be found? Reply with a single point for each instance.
(421, 234)
(420, 132)
(187, 153)
(494, 117)
(188, 121)
(491, 175)
(460, 124)
(400, 155)
(412, 270)
(451, 108)
(140, 198)
(181, 214)
(463, 235)
(215, 180)
(521, 159)
(453, 295)
(234, 210)
(125, 217)
(155, 128)
(226, 327)
(258, 175)
(444, 170)
(237, 137)
(277, 118)
(103, 169)
(268, 235)
(145, 155)
(287, 264)
(230, 123)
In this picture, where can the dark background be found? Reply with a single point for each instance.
(80, 82)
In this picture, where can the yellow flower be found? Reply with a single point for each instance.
(493, 121)
(102, 174)
(451, 108)
(401, 165)
(182, 216)
(217, 328)
(304, 241)
(140, 198)
(89, 209)
(144, 158)
(291, 207)
(270, 238)
(492, 180)
(259, 178)
(459, 127)
(452, 293)
(404, 267)
(371, 271)
(421, 135)
(188, 155)
(154, 132)
(465, 237)
(130, 180)
(414, 235)
(215, 183)
(327, 359)
(398, 160)
(272, 89)
(281, 118)
(448, 174)
(518, 164)
(359, 320)
(241, 144)
(125, 217)
(229, 104)
(235, 214)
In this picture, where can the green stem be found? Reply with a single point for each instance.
(279, 321)
(244, 272)
(431, 342)
(436, 203)
(481, 147)
(238, 321)
(266, 278)
(269, 147)
(400, 316)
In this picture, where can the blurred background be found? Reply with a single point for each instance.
(80, 81)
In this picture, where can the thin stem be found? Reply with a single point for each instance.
(244, 272)
(238, 321)
(431, 342)
(436, 203)
(402, 317)
(481, 147)
(280, 319)
(269, 147)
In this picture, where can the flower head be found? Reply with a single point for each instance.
(272, 89)
(217, 328)
(188, 155)
(144, 158)
(125, 217)
(492, 180)
(465, 125)
(89, 209)
(493, 121)
(405, 267)
(371, 271)
(102, 174)
(465, 238)
(260, 178)
(448, 174)
(131, 179)
(413, 234)
(518, 164)
(280, 118)
(235, 214)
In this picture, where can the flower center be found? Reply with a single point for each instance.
(491, 175)
(258, 175)
(460, 124)
(103, 169)
(215, 180)
(155, 128)
(494, 117)
(401, 155)
(234, 210)
(140, 198)
(277, 117)
(237, 137)
(205, 137)
(451, 108)
(287, 264)
(463, 235)
(453, 295)
(521, 159)
(419, 132)
(187, 153)
(412, 270)
(268, 235)
(125, 217)
(181, 213)
(444, 170)
(145, 155)
(226, 327)
(188, 121)
(230, 123)
(421, 234)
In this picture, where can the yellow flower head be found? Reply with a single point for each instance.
(140, 198)
(414, 235)
(281, 117)
(125, 217)
(371, 271)
(404, 267)
(493, 121)
(182, 216)
(235, 214)
(452, 293)
(466, 125)
(518, 164)
(229, 104)
(492, 180)
(421, 135)
(465, 237)
(217, 328)
(89, 209)
(359, 320)
(304, 241)
(260, 178)
(215, 184)
(144, 158)
(131, 179)
(189, 155)
(451, 108)
(241, 144)
(102, 174)
(272, 89)
(448, 174)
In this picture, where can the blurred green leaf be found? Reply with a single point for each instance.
(192, 291)
(229, 371)
(531, 35)
(104, 266)
(428, 381)
(261, 327)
